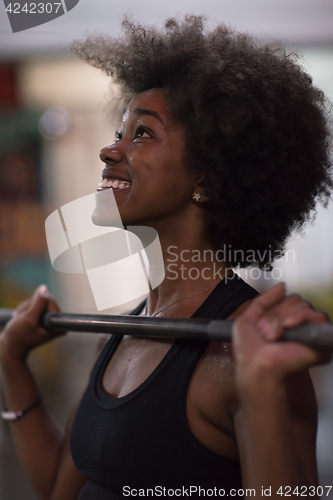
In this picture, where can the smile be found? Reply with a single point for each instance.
(113, 183)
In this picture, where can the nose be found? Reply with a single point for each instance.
(111, 154)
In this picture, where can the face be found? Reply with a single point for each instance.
(145, 166)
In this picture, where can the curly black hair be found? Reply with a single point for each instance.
(254, 123)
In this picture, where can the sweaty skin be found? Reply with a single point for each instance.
(243, 402)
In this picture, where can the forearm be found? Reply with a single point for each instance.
(276, 422)
(38, 440)
(270, 450)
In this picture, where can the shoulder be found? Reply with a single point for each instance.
(212, 390)
(216, 367)
(227, 299)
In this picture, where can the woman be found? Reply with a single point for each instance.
(223, 149)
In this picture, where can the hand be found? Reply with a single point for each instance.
(259, 357)
(22, 333)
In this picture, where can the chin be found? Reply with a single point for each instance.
(106, 212)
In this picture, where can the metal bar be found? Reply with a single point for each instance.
(314, 335)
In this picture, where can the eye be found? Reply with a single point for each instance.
(118, 135)
(141, 132)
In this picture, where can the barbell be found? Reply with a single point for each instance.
(319, 336)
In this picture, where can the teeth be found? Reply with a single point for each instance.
(114, 183)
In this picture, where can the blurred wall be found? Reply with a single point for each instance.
(68, 168)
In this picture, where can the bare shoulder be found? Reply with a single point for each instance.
(217, 364)
(212, 395)
(213, 380)
(213, 385)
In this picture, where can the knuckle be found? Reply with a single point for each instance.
(295, 298)
(22, 305)
(322, 314)
(298, 302)
(256, 306)
(326, 316)
(307, 304)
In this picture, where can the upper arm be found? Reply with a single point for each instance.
(69, 481)
(304, 417)
(280, 440)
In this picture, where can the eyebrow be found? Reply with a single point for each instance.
(149, 112)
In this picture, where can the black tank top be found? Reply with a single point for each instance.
(141, 443)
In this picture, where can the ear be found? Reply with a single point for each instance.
(199, 188)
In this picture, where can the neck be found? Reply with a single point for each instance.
(192, 265)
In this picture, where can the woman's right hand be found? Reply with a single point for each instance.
(22, 333)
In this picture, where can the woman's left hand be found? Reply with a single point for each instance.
(257, 353)
(276, 418)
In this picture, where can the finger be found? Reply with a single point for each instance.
(38, 304)
(295, 299)
(52, 305)
(325, 314)
(283, 308)
(298, 357)
(28, 303)
(272, 328)
(302, 314)
(22, 306)
(266, 301)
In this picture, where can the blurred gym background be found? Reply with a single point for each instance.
(54, 119)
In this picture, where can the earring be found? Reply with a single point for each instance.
(196, 196)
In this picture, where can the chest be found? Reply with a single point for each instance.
(133, 361)
(153, 435)
(208, 395)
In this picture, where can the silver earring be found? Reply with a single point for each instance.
(196, 196)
